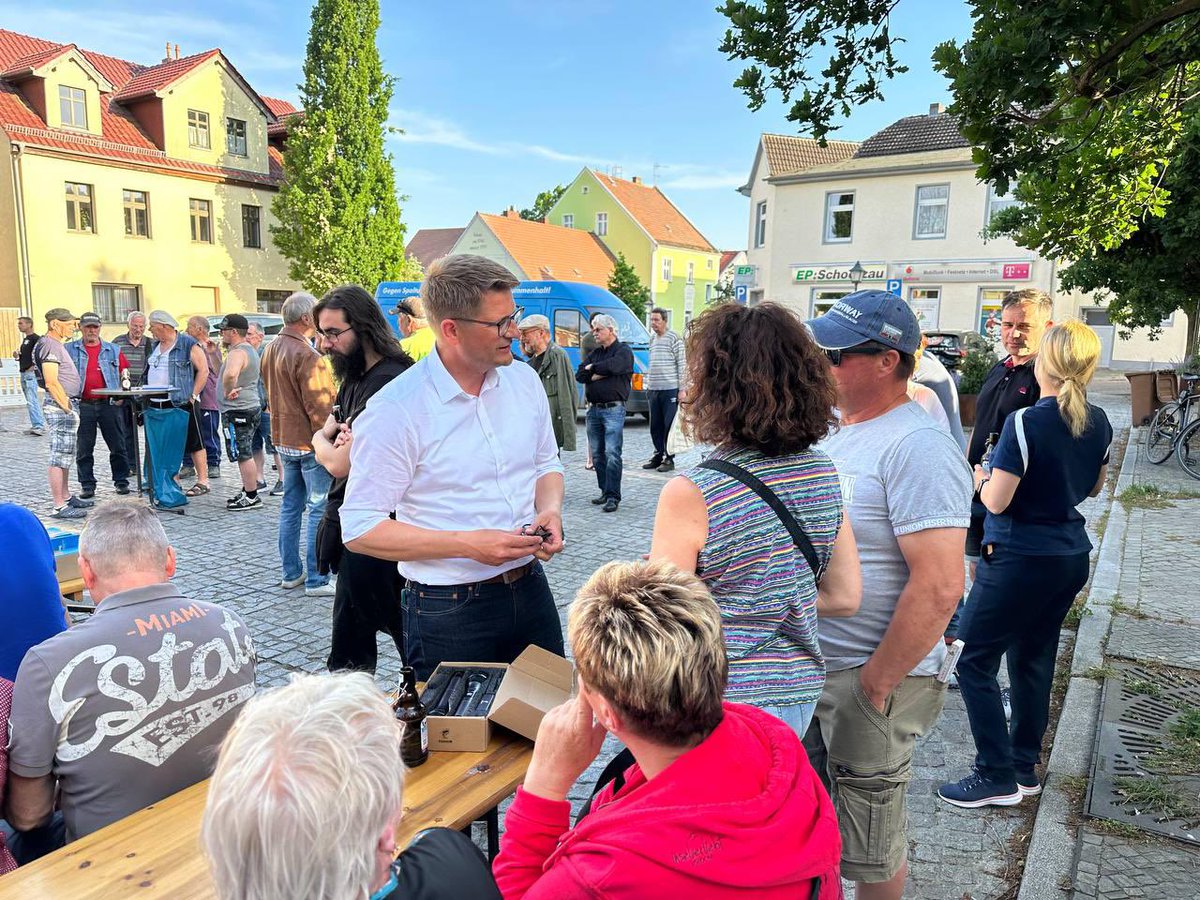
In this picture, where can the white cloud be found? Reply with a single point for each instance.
(703, 181)
(419, 128)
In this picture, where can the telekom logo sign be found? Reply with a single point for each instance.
(1015, 272)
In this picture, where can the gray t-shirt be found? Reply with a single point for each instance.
(935, 376)
(48, 349)
(900, 473)
(248, 397)
(130, 705)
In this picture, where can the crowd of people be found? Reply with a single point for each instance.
(768, 668)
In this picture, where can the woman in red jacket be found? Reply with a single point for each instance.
(721, 801)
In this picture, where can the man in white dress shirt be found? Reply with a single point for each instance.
(461, 449)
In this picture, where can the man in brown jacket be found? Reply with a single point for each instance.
(300, 394)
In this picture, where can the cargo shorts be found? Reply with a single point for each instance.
(864, 757)
(239, 428)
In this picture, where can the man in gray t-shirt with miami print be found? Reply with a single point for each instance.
(907, 490)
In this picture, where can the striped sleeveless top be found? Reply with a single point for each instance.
(760, 580)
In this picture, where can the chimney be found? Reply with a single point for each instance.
(511, 213)
(637, 179)
(936, 109)
(177, 51)
(167, 53)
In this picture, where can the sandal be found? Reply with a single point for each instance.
(197, 490)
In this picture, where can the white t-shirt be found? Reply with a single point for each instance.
(928, 401)
(158, 367)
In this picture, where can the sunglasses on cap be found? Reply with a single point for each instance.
(835, 356)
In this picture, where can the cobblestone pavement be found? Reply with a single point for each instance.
(231, 559)
(1160, 572)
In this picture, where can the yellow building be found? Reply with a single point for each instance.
(128, 187)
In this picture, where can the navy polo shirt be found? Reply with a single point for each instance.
(1006, 389)
(1042, 519)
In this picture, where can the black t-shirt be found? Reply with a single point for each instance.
(1005, 390)
(25, 351)
(441, 864)
(614, 361)
(352, 398)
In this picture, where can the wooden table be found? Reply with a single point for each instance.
(155, 853)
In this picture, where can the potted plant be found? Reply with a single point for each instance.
(971, 374)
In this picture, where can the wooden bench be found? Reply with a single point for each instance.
(155, 853)
(72, 591)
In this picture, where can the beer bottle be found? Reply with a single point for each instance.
(989, 445)
(414, 745)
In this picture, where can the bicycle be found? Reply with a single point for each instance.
(1187, 449)
(1170, 422)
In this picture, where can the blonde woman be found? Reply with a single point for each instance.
(1049, 458)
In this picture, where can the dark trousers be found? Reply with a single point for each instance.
(27, 846)
(478, 622)
(210, 435)
(663, 405)
(606, 435)
(367, 602)
(108, 419)
(129, 425)
(1017, 606)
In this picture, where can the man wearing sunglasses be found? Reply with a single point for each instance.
(461, 450)
(907, 489)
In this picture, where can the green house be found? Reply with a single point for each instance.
(667, 251)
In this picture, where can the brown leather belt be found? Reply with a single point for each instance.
(510, 576)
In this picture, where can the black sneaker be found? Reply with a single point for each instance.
(67, 511)
(668, 465)
(277, 491)
(87, 493)
(978, 790)
(600, 501)
(242, 501)
(611, 505)
(122, 489)
(232, 501)
(261, 486)
(80, 503)
(1028, 784)
(655, 462)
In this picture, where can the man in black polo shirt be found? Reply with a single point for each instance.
(608, 375)
(1011, 385)
(24, 357)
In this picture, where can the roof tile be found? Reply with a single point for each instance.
(429, 244)
(654, 212)
(788, 153)
(914, 134)
(552, 252)
(155, 78)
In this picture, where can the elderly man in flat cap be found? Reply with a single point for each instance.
(553, 366)
(58, 375)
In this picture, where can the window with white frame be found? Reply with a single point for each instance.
(601, 224)
(691, 270)
(114, 302)
(198, 130)
(201, 216)
(839, 216)
(72, 107)
(81, 214)
(997, 201)
(137, 213)
(235, 137)
(760, 224)
(932, 211)
(824, 298)
(708, 293)
(708, 263)
(666, 268)
(568, 220)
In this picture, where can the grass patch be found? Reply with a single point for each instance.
(1101, 526)
(1099, 673)
(1143, 686)
(1075, 614)
(1117, 829)
(1181, 754)
(1151, 496)
(1075, 787)
(1118, 606)
(1155, 794)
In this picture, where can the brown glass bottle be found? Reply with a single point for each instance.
(414, 745)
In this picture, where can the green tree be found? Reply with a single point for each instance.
(338, 212)
(543, 204)
(625, 285)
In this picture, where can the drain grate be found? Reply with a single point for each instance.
(1133, 728)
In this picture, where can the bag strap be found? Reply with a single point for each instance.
(1022, 441)
(799, 538)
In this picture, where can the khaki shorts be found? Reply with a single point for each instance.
(865, 759)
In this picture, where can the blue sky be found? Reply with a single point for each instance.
(504, 99)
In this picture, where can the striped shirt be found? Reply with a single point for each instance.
(760, 580)
(666, 362)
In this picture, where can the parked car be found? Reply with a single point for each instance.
(271, 324)
(568, 305)
(948, 346)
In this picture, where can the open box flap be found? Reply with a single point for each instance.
(546, 667)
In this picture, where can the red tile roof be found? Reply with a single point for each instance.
(551, 252)
(281, 110)
(654, 212)
(787, 153)
(726, 258)
(121, 137)
(429, 244)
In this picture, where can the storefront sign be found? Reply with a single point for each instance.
(747, 275)
(952, 270)
(821, 273)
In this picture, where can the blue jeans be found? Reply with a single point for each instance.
(606, 435)
(478, 622)
(29, 383)
(798, 716)
(305, 487)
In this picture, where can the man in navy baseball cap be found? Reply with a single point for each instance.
(868, 316)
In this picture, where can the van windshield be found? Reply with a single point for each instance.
(629, 329)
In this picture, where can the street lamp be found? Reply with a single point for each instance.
(857, 274)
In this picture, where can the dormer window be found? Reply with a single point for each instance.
(198, 130)
(235, 136)
(72, 105)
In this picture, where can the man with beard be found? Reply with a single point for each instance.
(365, 356)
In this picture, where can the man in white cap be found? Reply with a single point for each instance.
(186, 382)
(553, 366)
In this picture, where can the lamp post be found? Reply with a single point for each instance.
(857, 274)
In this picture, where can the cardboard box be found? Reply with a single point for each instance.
(535, 683)
(67, 565)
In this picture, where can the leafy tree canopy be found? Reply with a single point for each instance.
(626, 286)
(543, 204)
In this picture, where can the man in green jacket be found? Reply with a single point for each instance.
(558, 377)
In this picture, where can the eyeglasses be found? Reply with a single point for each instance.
(835, 356)
(501, 325)
(332, 334)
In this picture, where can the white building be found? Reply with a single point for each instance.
(905, 204)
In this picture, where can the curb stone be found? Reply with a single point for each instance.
(1052, 845)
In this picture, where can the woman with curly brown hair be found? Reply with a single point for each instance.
(760, 393)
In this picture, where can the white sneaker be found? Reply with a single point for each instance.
(323, 590)
(294, 583)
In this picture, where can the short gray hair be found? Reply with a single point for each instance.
(296, 307)
(136, 314)
(309, 777)
(605, 321)
(1039, 300)
(454, 285)
(123, 537)
(255, 328)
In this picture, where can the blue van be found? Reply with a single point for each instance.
(568, 305)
